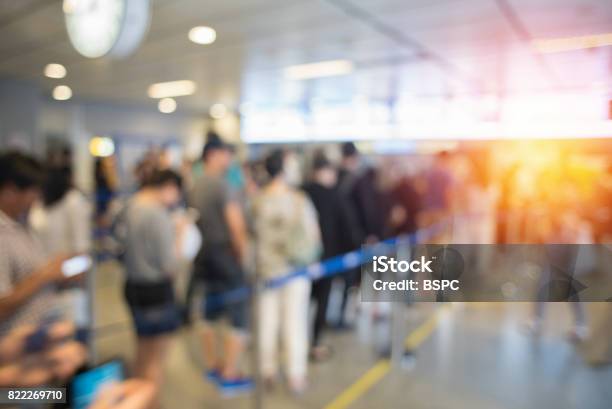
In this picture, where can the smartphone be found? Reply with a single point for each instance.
(76, 265)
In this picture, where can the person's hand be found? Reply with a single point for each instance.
(129, 394)
(12, 345)
(109, 396)
(52, 270)
(65, 359)
(61, 330)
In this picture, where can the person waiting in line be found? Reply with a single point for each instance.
(437, 197)
(356, 184)
(29, 323)
(336, 227)
(219, 267)
(62, 222)
(62, 218)
(151, 251)
(27, 278)
(106, 185)
(287, 232)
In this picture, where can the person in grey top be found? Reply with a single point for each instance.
(150, 245)
(209, 196)
(219, 266)
(150, 253)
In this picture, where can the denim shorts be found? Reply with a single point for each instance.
(153, 307)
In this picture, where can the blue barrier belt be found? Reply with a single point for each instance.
(325, 268)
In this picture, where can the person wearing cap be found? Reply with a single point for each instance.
(219, 266)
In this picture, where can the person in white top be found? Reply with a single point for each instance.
(62, 219)
(288, 236)
(62, 223)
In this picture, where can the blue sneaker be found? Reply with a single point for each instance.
(233, 387)
(213, 376)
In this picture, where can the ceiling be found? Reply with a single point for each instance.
(418, 48)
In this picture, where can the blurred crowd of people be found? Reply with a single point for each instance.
(233, 223)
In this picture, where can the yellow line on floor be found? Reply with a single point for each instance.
(383, 366)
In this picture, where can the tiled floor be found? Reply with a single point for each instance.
(478, 356)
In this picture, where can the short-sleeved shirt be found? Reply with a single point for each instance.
(149, 243)
(284, 220)
(20, 255)
(209, 196)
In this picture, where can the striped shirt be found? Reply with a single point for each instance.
(20, 255)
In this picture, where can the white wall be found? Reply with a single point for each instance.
(20, 105)
(28, 116)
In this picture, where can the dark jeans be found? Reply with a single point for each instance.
(320, 294)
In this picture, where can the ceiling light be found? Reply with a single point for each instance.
(218, 111)
(101, 146)
(55, 71)
(203, 35)
(556, 45)
(319, 69)
(62, 93)
(172, 89)
(166, 105)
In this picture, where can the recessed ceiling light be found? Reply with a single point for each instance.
(319, 69)
(172, 89)
(556, 45)
(62, 93)
(218, 111)
(166, 105)
(55, 71)
(202, 35)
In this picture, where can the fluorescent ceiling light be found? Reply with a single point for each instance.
(62, 93)
(172, 89)
(166, 105)
(203, 35)
(319, 69)
(55, 71)
(556, 45)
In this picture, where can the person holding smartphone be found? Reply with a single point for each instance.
(62, 222)
(151, 251)
(27, 279)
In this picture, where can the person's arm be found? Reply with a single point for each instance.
(237, 228)
(14, 297)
